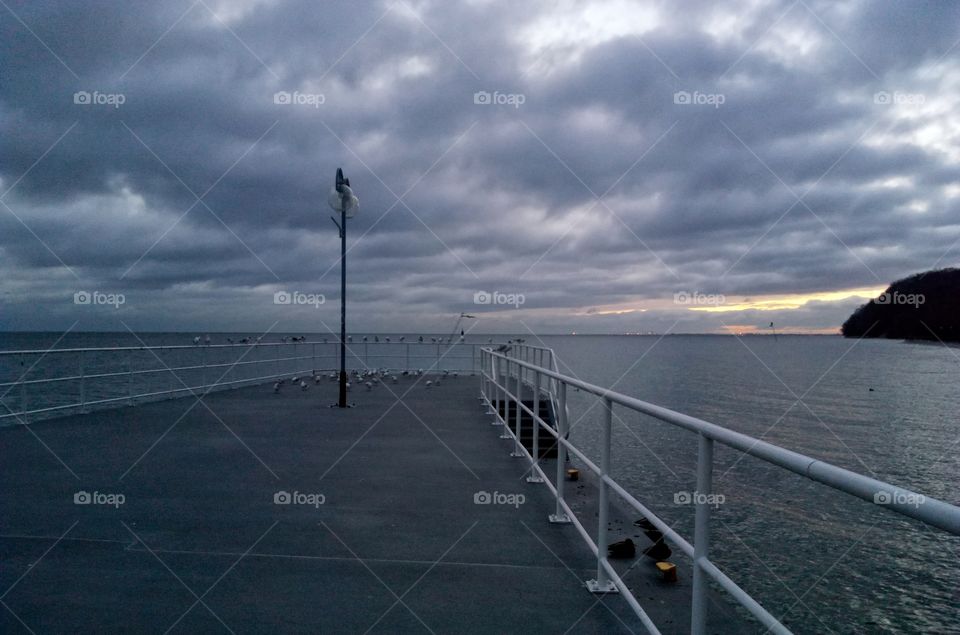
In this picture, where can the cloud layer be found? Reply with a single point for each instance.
(605, 160)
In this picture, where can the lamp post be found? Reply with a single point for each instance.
(342, 200)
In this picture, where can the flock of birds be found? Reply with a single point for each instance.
(368, 378)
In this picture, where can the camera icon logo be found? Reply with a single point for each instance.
(282, 297)
(482, 498)
(81, 498)
(282, 498)
(884, 298)
(482, 297)
(882, 97)
(682, 498)
(482, 97)
(281, 97)
(682, 97)
(882, 498)
(81, 97)
(81, 297)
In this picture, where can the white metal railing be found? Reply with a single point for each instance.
(35, 380)
(512, 366)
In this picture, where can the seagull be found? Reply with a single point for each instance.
(376, 338)
(316, 379)
(387, 338)
(429, 383)
(436, 383)
(303, 385)
(276, 387)
(196, 340)
(349, 338)
(393, 378)
(206, 340)
(295, 379)
(229, 340)
(348, 385)
(368, 385)
(402, 338)
(364, 338)
(421, 338)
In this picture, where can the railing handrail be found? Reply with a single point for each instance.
(99, 349)
(945, 516)
(901, 500)
(306, 356)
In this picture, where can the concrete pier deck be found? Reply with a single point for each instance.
(382, 532)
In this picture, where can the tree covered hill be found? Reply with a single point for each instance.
(924, 306)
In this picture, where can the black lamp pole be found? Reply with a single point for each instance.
(345, 195)
(342, 403)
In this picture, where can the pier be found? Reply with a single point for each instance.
(419, 509)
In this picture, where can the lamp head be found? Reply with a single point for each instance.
(341, 196)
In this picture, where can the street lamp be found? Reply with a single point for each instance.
(342, 200)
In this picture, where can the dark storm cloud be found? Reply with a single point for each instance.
(801, 181)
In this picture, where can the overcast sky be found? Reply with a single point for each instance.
(602, 166)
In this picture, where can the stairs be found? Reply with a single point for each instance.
(547, 445)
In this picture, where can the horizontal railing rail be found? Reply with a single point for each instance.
(37, 380)
(505, 372)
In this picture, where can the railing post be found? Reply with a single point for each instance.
(23, 390)
(701, 534)
(499, 398)
(560, 516)
(534, 475)
(83, 386)
(603, 583)
(517, 448)
(407, 366)
(484, 387)
(129, 378)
